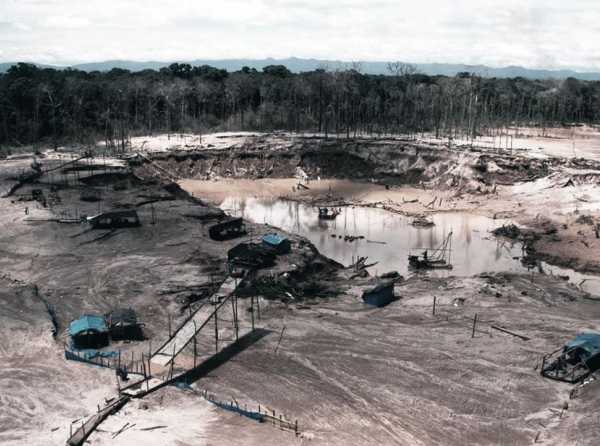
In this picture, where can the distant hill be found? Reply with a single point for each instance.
(299, 65)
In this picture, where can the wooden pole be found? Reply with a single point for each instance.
(195, 344)
(434, 301)
(172, 362)
(235, 317)
(232, 298)
(474, 324)
(252, 310)
(216, 332)
(280, 338)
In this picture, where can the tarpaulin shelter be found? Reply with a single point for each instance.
(89, 331)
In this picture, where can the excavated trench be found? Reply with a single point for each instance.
(385, 162)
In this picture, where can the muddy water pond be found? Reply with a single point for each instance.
(388, 238)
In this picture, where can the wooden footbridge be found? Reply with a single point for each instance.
(217, 317)
(206, 313)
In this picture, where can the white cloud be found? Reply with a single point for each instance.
(535, 33)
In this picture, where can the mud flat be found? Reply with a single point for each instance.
(350, 374)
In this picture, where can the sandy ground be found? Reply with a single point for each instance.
(349, 374)
(169, 416)
(399, 375)
(41, 393)
(569, 142)
(156, 269)
(185, 141)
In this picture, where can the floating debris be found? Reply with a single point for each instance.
(422, 222)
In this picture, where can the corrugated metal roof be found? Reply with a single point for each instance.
(87, 322)
(273, 239)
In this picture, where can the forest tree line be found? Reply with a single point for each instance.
(41, 104)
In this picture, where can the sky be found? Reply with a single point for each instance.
(532, 33)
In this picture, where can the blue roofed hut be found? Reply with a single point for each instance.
(89, 331)
(281, 245)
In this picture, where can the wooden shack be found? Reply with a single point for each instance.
(123, 324)
(227, 229)
(114, 219)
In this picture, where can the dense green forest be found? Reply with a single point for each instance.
(54, 106)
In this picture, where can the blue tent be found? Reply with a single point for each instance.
(281, 244)
(89, 332)
(87, 323)
(587, 342)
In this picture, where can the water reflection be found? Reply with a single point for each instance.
(474, 249)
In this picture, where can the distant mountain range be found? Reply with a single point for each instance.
(299, 65)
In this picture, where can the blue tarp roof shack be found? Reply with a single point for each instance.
(280, 244)
(89, 331)
(576, 360)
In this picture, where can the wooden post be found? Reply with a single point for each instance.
(148, 378)
(434, 301)
(258, 306)
(252, 310)
(172, 362)
(280, 338)
(296, 427)
(216, 332)
(232, 298)
(195, 344)
(474, 324)
(235, 316)
(169, 325)
(119, 366)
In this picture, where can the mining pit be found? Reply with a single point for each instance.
(454, 359)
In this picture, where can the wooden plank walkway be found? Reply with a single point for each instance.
(185, 333)
(165, 355)
(81, 434)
